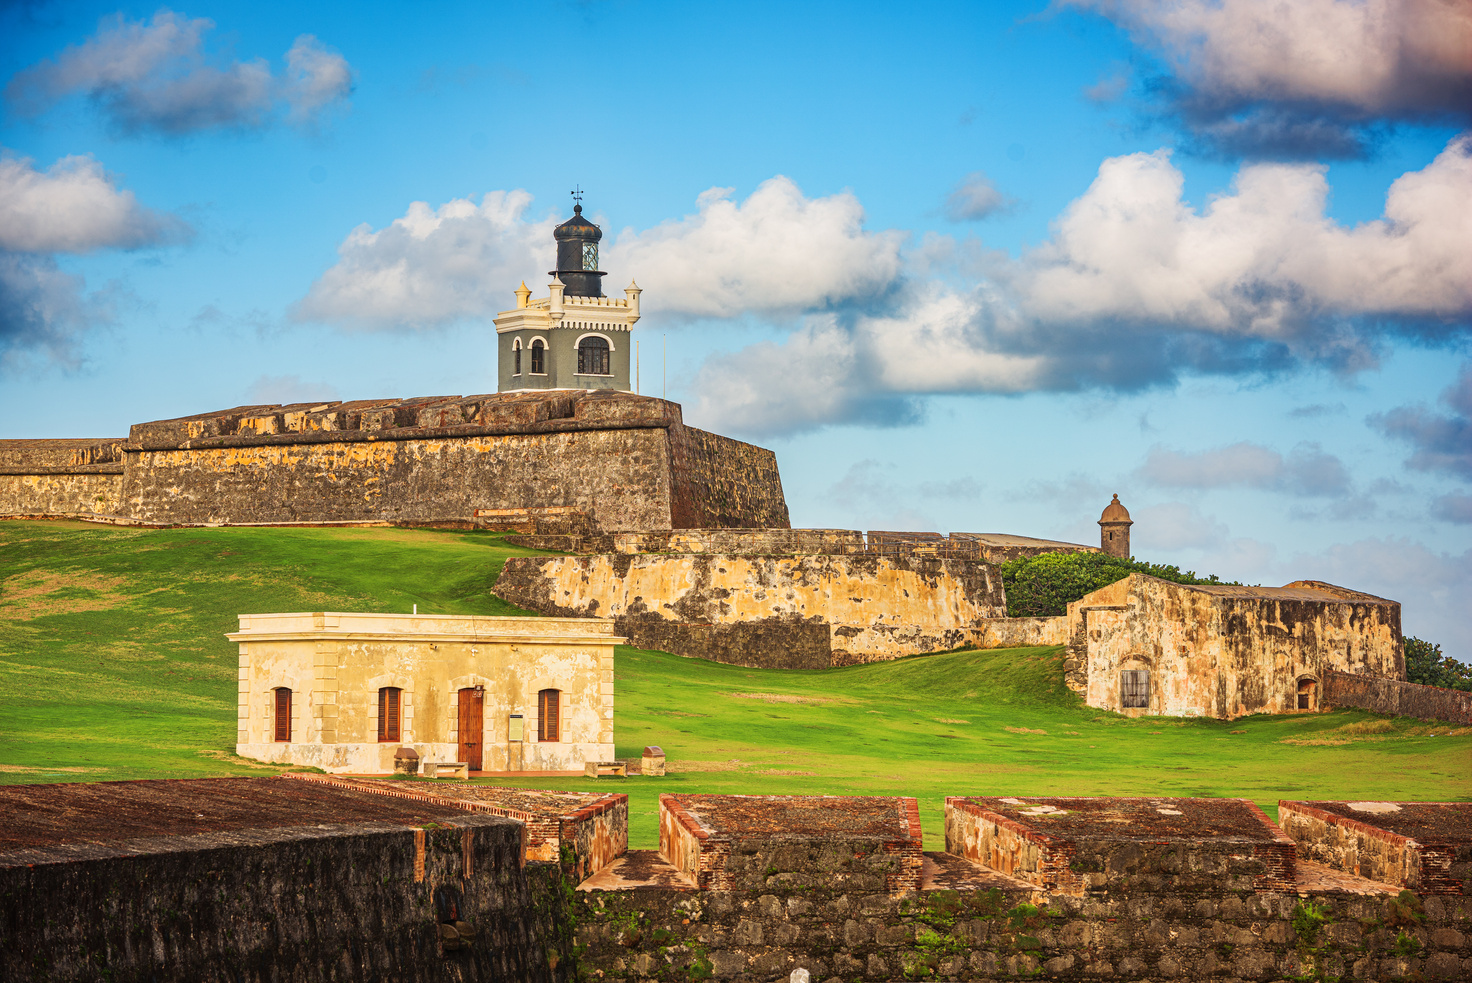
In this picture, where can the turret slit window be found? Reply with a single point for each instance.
(1134, 688)
(390, 715)
(283, 714)
(539, 358)
(549, 715)
(516, 357)
(593, 356)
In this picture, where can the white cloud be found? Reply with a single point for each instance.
(975, 197)
(1307, 470)
(433, 266)
(316, 77)
(1263, 261)
(1375, 56)
(1298, 77)
(157, 77)
(73, 207)
(777, 251)
(1134, 287)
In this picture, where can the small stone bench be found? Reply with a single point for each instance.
(447, 769)
(596, 769)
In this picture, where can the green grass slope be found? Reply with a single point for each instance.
(113, 659)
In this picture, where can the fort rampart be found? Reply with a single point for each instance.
(799, 612)
(1397, 697)
(558, 461)
(305, 881)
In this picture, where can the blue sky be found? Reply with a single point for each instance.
(966, 267)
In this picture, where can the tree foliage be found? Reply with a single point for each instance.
(1044, 586)
(1426, 665)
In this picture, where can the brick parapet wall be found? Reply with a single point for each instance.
(1360, 848)
(1098, 863)
(1396, 697)
(597, 833)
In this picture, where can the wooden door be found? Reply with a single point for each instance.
(472, 726)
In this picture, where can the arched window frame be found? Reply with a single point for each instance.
(390, 714)
(549, 716)
(516, 356)
(582, 367)
(539, 355)
(1306, 692)
(281, 714)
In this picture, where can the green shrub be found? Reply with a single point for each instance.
(1426, 665)
(1044, 586)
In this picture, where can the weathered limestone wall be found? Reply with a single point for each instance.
(294, 905)
(762, 542)
(620, 478)
(827, 911)
(778, 611)
(1397, 697)
(335, 664)
(719, 482)
(554, 462)
(1225, 651)
(1007, 633)
(83, 492)
(61, 477)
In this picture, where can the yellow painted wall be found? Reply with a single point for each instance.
(335, 663)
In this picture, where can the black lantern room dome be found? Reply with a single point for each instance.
(577, 255)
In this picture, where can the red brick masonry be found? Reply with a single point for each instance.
(1423, 846)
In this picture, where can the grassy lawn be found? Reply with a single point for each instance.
(113, 656)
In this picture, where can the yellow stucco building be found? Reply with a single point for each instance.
(343, 692)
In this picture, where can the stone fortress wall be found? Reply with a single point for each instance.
(551, 461)
(798, 611)
(324, 879)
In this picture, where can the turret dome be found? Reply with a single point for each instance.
(1115, 512)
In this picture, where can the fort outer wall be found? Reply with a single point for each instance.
(557, 461)
(60, 477)
(1397, 697)
(795, 612)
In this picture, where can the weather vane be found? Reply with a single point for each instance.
(577, 194)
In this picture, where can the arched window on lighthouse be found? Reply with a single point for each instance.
(593, 356)
(539, 358)
(516, 357)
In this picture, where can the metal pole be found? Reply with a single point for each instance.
(664, 387)
(636, 368)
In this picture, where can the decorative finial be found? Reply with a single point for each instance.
(577, 197)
